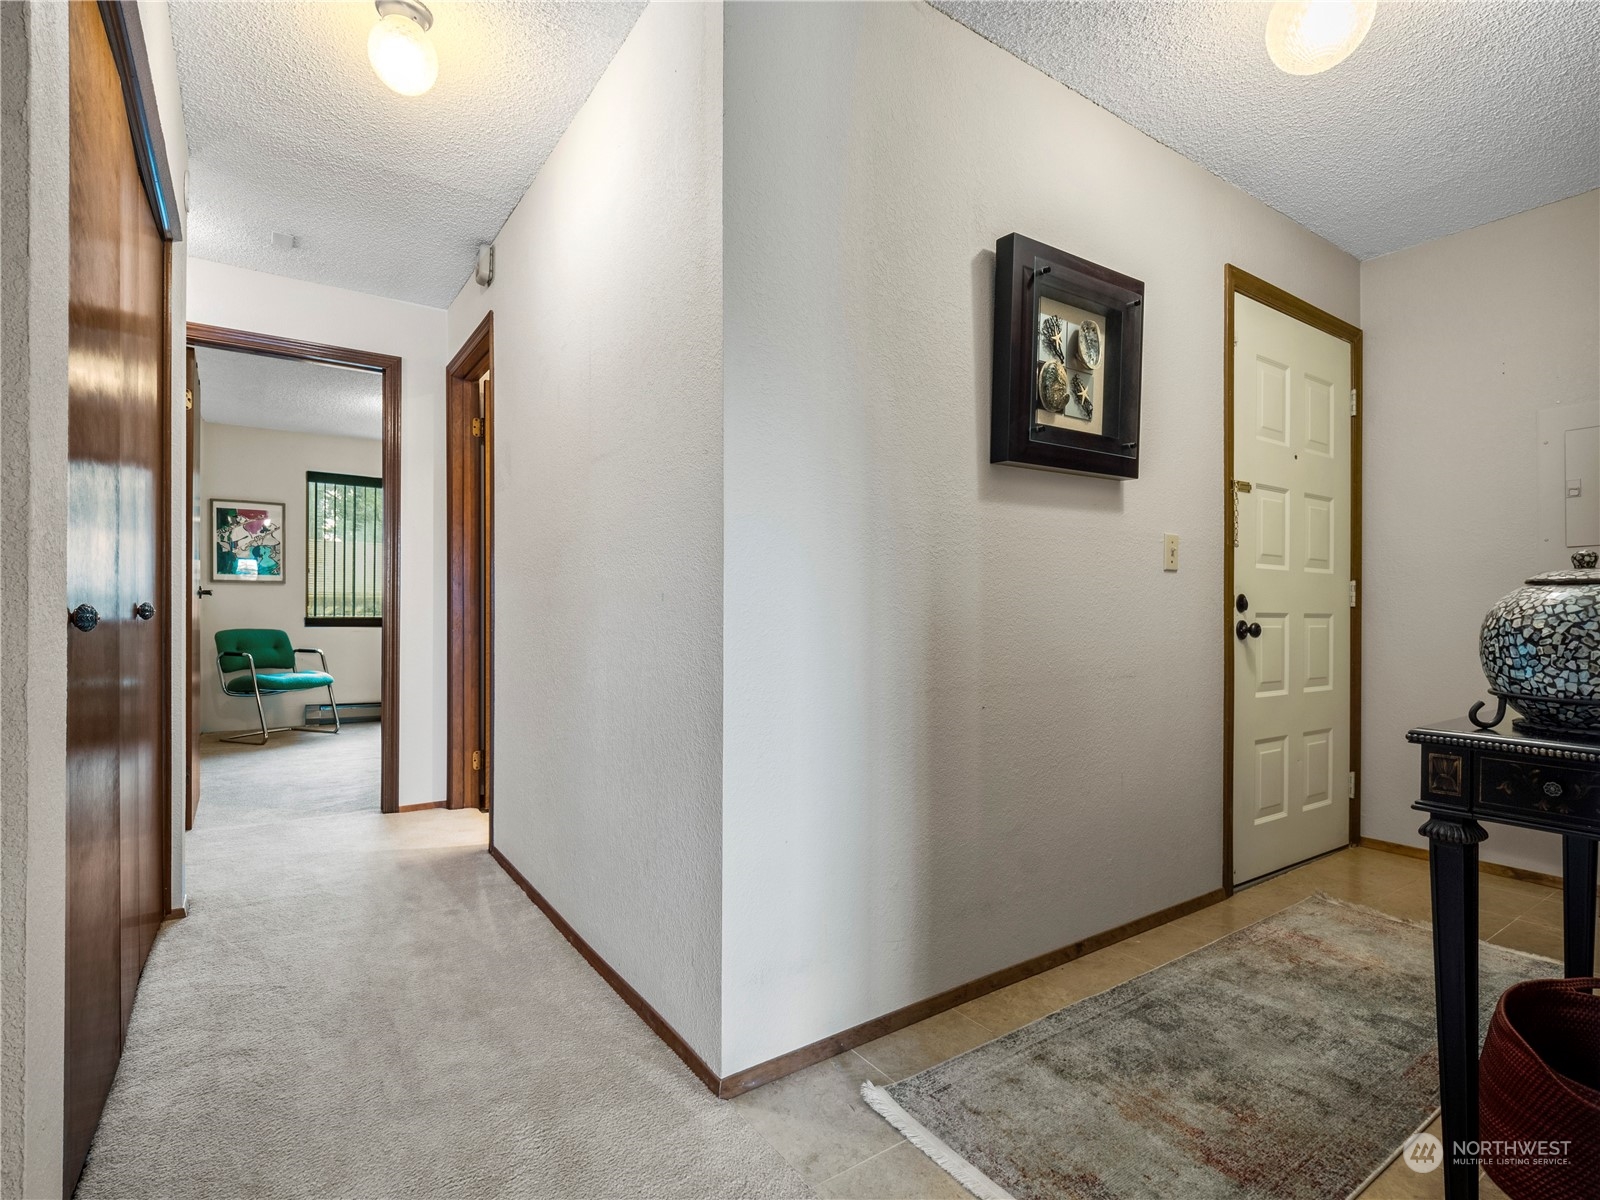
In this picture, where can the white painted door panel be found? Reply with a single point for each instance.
(1291, 701)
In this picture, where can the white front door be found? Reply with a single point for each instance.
(1293, 592)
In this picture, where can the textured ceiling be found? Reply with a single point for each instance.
(281, 393)
(291, 132)
(1447, 116)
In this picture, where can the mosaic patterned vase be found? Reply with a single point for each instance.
(1540, 647)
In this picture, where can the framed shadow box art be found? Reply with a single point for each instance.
(1068, 336)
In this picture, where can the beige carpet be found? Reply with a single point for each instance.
(366, 1006)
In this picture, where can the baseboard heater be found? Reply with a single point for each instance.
(356, 710)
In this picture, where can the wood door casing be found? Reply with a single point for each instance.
(222, 338)
(486, 587)
(195, 545)
(116, 702)
(469, 397)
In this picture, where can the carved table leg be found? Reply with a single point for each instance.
(1578, 856)
(1453, 869)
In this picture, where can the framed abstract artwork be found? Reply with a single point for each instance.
(246, 541)
(1068, 338)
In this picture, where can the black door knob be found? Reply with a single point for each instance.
(1241, 602)
(1246, 629)
(144, 610)
(84, 618)
(202, 591)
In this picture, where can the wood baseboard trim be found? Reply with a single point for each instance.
(858, 1035)
(657, 1023)
(420, 807)
(1484, 868)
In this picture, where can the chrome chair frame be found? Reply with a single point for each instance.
(261, 712)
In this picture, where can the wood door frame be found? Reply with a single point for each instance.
(1238, 282)
(216, 337)
(125, 32)
(467, 605)
(191, 701)
(166, 769)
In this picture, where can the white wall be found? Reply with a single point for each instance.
(1467, 339)
(608, 519)
(33, 539)
(968, 719)
(240, 463)
(312, 312)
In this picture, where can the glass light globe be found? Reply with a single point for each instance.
(1308, 36)
(402, 55)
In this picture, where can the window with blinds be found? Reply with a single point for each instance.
(344, 549)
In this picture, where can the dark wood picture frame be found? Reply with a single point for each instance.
(219, 338)
(1026, 272)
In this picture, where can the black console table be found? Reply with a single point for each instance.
(1500, 775)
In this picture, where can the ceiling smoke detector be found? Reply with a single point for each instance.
(399, 48)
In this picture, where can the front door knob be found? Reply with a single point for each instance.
(84, 618)
(1246, 629)
(1241, 602)
(144, 610)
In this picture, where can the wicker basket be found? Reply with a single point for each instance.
(1539, 1082)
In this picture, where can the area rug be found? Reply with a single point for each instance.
(1287, 1061)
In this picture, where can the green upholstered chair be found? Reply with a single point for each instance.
(261, 662)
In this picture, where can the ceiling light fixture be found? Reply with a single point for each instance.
(399, 48)
(1308, 36)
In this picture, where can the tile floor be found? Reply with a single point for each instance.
(818, 1121)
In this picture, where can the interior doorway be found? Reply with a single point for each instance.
(469, 522)
(1292, 546)
(316, 496)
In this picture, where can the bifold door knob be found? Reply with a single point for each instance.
(1246, 629)
(144, 610)
(84, 618)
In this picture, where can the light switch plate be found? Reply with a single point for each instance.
(1169, 553)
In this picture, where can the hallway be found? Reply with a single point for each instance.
(362, 1005)
(367, 1006)
(744, 449)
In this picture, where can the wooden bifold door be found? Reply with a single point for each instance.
(117, 802)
